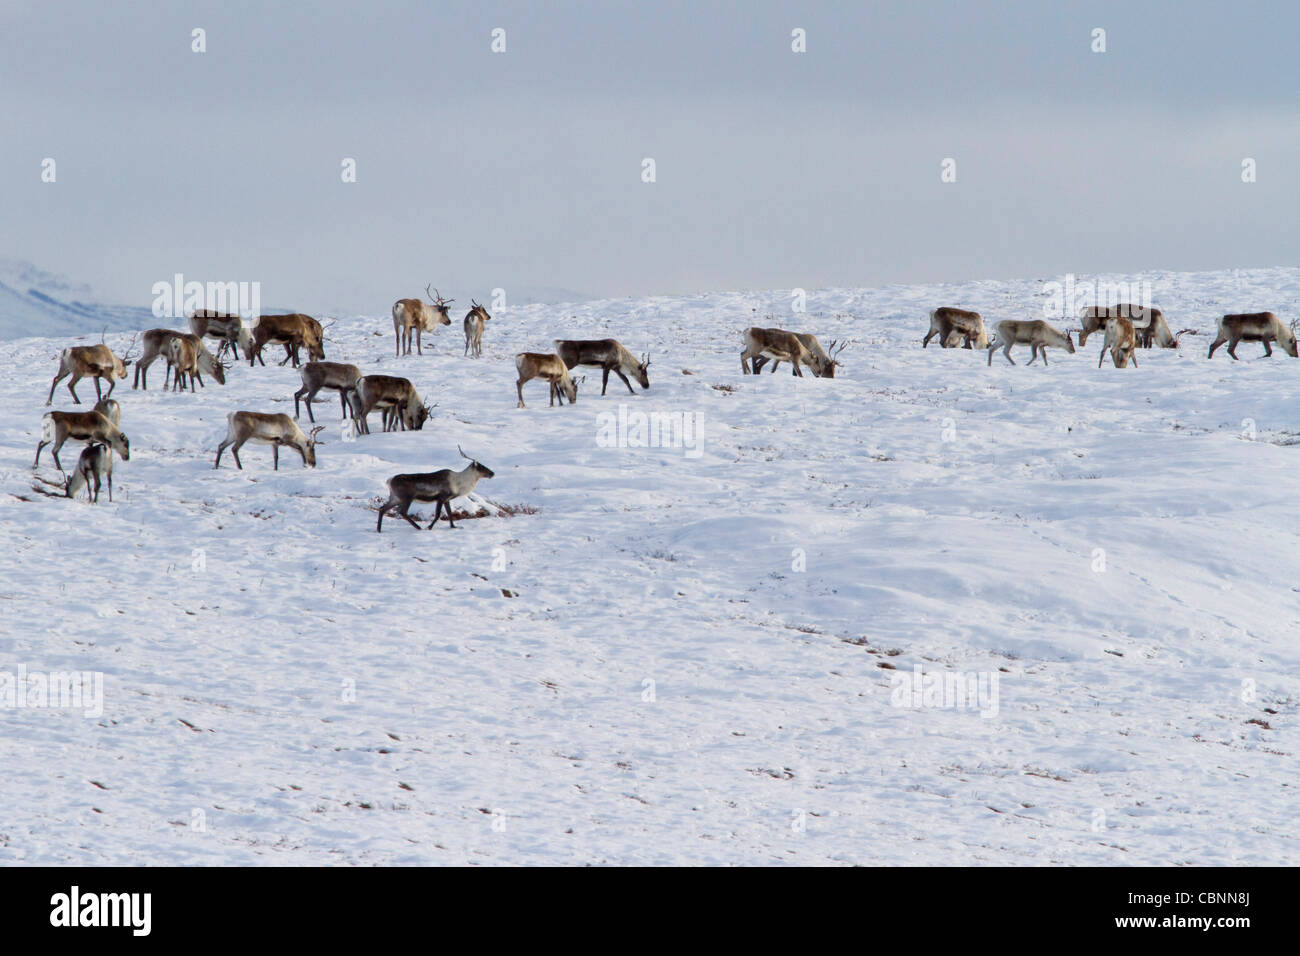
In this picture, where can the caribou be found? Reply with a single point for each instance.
(1254, 327)
(318, 375)
(608, 355)
(828, 361)
(295, 331)
(229, 329)
(441, 487)
(274, 430)
(93, 465)
(90, 361)
(159, 342)
(956, 324)
(399, 403)
(780, 345)
(1035, 333)
(474, 320)
(58, 427)
(110, 409)
(190, 358)
(423, 317)
(1121, 339)
(551, 369)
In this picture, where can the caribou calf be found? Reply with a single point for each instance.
(608, 355)
(947, 323)
(274, 430)
(94, 465)
(549, 368)
(1035, 333)
(1121, 339)
(109, 408)
(1254, 327)
(317, 375)
(441, 487)
(474, 320)
(190, 358)
(58, 427)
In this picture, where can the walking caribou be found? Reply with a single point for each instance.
(608, 355)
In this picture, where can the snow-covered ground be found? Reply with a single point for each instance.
(697, 663)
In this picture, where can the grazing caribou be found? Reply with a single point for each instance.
(474, 320)
(423, 317)
(1121, 339)
(608, 355)
(1254, 327)
(441, 487)
(58, 427)
(947, 322)
(229, 329)
(318, 375)
(826, 361)
(1035, 333)
(549, 368)
(93, 465)
(295, 331)
(399, 403)
(90, 361)
(780, 345)
(274, 430)
(189, 358)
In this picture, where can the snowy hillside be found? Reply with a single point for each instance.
(682, 655)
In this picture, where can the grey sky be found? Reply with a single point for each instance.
(522, 169)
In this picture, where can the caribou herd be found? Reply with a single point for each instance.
(1125, 329)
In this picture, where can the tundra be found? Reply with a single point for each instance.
(94, 464)
(549, 368)
(608, 355)
(441, 487)
(947, 322)
(274, 430)
(412, 314)
(1254, 327)
(1035, 333)
(58, 427)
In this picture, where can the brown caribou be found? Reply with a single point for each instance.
(608, 355)
(412, 314)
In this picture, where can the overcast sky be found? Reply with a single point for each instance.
(522, 169)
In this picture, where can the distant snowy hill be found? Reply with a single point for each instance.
(718, 653)
(34, 302)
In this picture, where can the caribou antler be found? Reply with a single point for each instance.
(126, 356)
(311, 435)
(437, 298)
(645, 359)
(833, 351)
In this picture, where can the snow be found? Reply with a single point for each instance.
(282, 685)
